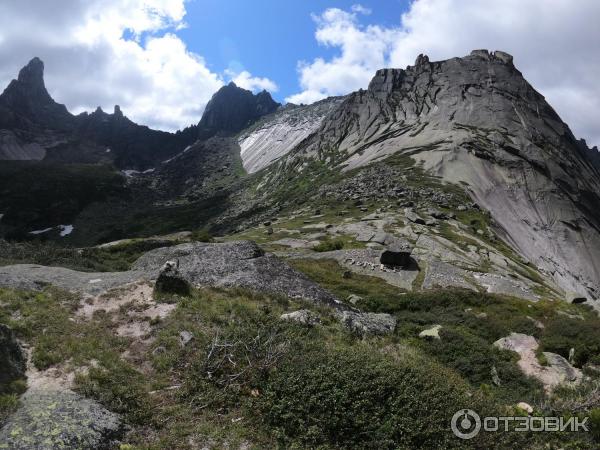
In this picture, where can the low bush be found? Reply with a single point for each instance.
(357, 398)
(561, 334)
(329, 245)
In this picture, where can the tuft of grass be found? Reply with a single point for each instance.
(329, 245)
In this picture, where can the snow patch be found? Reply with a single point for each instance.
(66, 230)
(45, 230)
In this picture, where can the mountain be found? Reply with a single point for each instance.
(34, 127)
(475, 121)
(232, 109)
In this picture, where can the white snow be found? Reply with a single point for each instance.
(66, 230)
(130, 172)
(45, 230)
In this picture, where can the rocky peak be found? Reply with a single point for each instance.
(32, 76)
(232, 108)
(27, 98)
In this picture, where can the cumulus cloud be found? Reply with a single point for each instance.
(554, 44)
(107, 52)
(363, 50)
(245, 80)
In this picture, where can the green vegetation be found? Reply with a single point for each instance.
(115, 258)
(248, 377)
(329, 245)
(471, 322)
(201, 235)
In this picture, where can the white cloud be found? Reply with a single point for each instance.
(363, 51)
(245, 80)
(554, 44)
(107, 52)
(358, 8)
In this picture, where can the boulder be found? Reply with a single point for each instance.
(302, 316)
(431, 333)
(574, 297)
(525, 407)
(396, 253)
(413, 217)
(367, 323)
(353, 299)
(12, 358)
(171, 281)
(185, 338)
(57, 420)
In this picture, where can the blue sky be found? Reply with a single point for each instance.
(269, 37)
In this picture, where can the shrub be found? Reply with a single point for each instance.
(201, 235)
(329, 245)
(474, 359)
(355, 398)
(562, 334)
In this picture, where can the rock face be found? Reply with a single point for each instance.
(232, 108)
(476, 121)
(59, 419)
(12, 358)
(276, 134)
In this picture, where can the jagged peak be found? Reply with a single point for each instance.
(33, 73)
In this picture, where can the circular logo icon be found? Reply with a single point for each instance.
(466, 423)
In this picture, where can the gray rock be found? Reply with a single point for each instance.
(431, 333)
(368, 323)
(185, 337)
(397, 253)
(171, 281)
(303, 316)
(12, 357)
(232, 264)
(413, 217)
(49, 420)
(236, 264)
(353, 299)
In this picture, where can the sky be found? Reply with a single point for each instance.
(161, 60)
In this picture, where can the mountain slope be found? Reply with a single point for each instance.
(476, 121)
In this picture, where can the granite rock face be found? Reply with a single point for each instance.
(476, 121)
